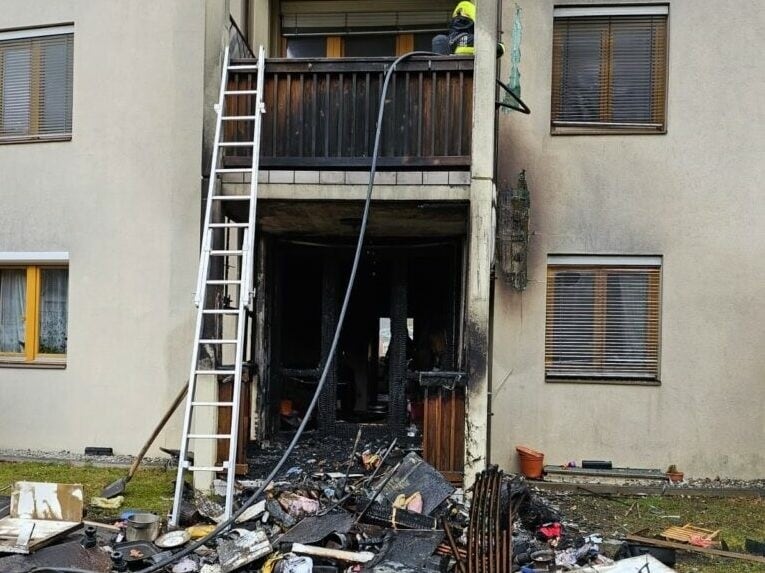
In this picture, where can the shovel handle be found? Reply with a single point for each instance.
(157, 430)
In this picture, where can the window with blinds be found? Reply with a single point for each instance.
(36, 84)
(610, 69)
(603, 321)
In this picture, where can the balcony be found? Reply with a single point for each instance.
(321, 114)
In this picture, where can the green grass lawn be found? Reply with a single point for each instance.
(150, 489)
(736, 518)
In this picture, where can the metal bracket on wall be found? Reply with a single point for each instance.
(523, 107)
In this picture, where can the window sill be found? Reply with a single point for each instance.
(34, 365)
(609, 381)
(8, 140)
(605, 129)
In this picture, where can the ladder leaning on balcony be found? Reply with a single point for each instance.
(241, 260)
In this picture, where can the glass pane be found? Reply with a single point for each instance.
(581, 72)
(423, 42)
(370, 46)
(626, 320)
(631, 75)
(309, 47)
(16, 91)
(573, 317)
(54, 284)
(13, 296)
(384, 334)
(56, 106)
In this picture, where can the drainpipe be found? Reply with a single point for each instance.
(490, 350)
(246, 25)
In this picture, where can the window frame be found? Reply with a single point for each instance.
(335, 44)
(558, 127)
(31, 356)
(33, 135)
(600, 264)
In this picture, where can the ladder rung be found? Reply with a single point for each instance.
(231, 198)
(206, 468)
(214, 404)
(239, 92)
(234, 170)
(236, 144)
(237, 117)
(215, 372)
(217, 341)
(220, 311)
(228, 225)
(209, 436)
(224, 253)
(243, 67)
(224, 282)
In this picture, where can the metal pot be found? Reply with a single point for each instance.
(142, 527)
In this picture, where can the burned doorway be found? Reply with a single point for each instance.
(400, 340)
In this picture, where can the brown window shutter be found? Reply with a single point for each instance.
(609, 72)
(36, 87)
(602, 322)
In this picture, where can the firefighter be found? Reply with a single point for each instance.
(460, 39)
(462, 29)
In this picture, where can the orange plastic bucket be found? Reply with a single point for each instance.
(532, 462)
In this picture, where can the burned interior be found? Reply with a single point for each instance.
(398, 367)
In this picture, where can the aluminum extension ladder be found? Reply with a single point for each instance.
(242, 261)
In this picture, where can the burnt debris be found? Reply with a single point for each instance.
(397, 515)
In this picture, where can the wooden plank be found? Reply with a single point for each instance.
(44, 532)
(694, 549)
(443, 430)
(404, 44)
(52, 501)
(632, 490)
(326, 109)
(334, 47)
(687, 532)
(454, 163)
(351, 65)
(225, 394)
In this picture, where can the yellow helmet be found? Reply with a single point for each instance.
(466, 9)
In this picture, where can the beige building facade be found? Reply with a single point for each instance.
(691, 197)
(117, 205)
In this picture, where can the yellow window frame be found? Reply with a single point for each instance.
(31, 352)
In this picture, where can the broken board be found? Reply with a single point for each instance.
(40, 513)
(687, 532)
(415, 475)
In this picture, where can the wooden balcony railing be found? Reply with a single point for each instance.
(321, 113)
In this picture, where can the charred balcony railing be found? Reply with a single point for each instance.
(321, 114)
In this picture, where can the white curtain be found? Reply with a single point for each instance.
(53, 310)
(13, 283)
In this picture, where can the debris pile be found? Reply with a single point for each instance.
(387, 511)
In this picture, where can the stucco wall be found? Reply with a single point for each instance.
(694, 196)
(122, 199)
